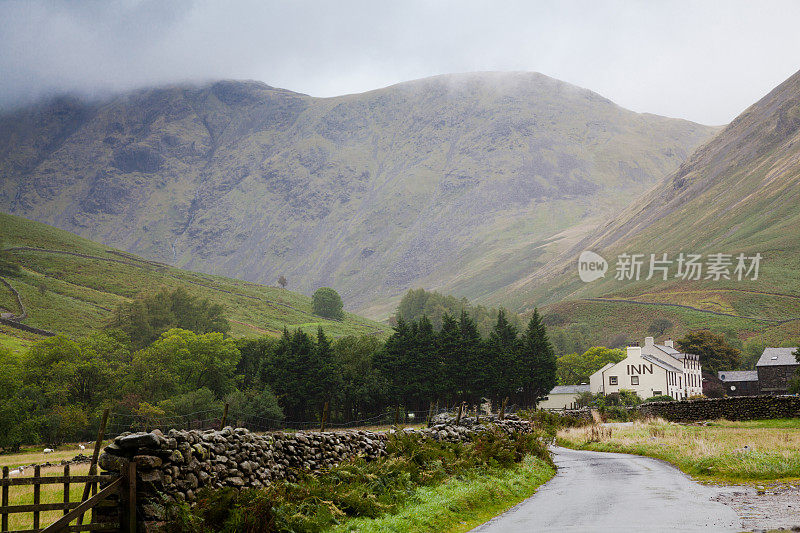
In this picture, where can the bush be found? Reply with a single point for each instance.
(661, 398)
(549, 422)
(328, 303)
(624, 397)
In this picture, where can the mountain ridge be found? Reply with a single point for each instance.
(457, 182)
(737, 194)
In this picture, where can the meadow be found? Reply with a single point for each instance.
(77, 294)
(23, 495)
(761, 451)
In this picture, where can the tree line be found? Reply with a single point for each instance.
(56, 390)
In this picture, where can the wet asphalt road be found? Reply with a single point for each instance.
(610, 492)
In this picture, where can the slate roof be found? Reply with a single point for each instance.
(777, 356)
(667, 349)
(738, 375)
(569, 389)
(662, 364)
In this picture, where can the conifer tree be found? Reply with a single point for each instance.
(447, 345)
(391, 361)
(538, 361)
(502, 359)
(469, 375)
(423, 365)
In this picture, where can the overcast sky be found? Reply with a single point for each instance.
(704, 61)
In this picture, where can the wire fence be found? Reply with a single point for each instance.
(216, 418)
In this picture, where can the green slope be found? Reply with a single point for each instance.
(70, 294)
(461, 183)
(739, 193)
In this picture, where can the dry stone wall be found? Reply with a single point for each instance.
(175, 465)
(733, 408)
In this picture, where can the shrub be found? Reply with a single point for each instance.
(549, 422)
(661, 398)
(328, 303)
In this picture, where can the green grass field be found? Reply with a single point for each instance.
(75, 295)
(23, 495)
(760, 451)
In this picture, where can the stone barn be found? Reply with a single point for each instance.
(739, 382)
(775, 368)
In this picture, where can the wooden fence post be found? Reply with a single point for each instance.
(503, 408)
(224, 417)
(127, 500)
(66, 488)
(101, 434)
(458, 416)
(324, 417)
(37, 496)
(4, 526)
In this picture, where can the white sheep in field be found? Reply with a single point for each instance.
(17, 471)
(48, 450)
(81, 447)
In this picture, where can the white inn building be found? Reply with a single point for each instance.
(651, 370)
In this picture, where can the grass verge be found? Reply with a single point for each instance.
(723, 451)
(462, 503)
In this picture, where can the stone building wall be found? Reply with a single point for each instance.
(775, 378)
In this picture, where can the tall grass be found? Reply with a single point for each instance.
(760, 451)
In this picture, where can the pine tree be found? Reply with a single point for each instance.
(423, 365)
(391, 361)
(470, 374)
(447, 345)
(538, 361)
(328, 378)
(502, 359)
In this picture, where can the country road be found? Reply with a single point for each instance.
(610, 492)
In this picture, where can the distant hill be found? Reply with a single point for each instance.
(739, 193)
(71, 285)
(461, 183)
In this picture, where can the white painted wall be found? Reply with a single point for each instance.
(691, 382)
(652, 378)
(559, 401)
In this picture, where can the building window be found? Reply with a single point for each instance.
(657, 393)
(634, 380)
(612, 380)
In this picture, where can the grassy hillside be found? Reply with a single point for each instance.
(74, 295)
(461, 183)
(739, 193)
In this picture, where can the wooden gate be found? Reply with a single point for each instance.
(115, 499)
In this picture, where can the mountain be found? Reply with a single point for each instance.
(739, 193)
(461, 183)
(71, 285)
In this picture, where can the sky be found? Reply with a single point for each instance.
(701, 60)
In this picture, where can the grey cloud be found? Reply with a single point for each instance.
(705, 61)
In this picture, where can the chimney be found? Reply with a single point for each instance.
(669, 344)
(649, 341)
(634, 351)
